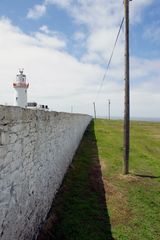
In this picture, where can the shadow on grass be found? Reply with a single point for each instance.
(146, 176)
(79, 211)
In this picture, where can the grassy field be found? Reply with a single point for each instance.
(97, 202)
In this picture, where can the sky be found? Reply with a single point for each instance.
(64, 46)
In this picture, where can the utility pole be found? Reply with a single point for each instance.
(71, 109)
(109, 113)
(94, 107)
(127, 97)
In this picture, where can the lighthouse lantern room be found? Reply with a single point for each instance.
(20, 87)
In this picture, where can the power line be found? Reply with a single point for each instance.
(110, 59)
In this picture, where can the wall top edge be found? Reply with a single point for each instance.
(13, 113)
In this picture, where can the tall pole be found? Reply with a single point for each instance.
(94, 107)
(109, 112)
(71, 109)
(126, 107)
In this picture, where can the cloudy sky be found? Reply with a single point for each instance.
(64, 45)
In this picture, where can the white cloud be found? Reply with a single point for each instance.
(152, 31)
(79, 36)
(48, 41)
(100, 13)
(137, 8)
(61, 3)
(36, 12)
(94, 14)
(101, 19)
(44, 29)
(145, 75)
(100, 43)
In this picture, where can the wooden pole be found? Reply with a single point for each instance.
(94, 106)
(109, 112)
(127, 97)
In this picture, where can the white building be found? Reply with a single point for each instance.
(20, 86)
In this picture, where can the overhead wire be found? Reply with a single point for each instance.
(110, 59)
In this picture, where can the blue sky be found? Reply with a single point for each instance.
(55, 18)
(63, 46)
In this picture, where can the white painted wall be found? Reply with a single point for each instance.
(20, 97)
(36, 148)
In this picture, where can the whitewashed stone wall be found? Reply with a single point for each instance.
(36, 148)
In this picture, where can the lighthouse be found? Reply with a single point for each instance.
(20, 86)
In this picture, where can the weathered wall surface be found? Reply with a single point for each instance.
(36, 148)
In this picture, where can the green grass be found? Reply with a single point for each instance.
(96, 202)
(134, 205)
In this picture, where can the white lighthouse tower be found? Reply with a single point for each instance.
(20, 87)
